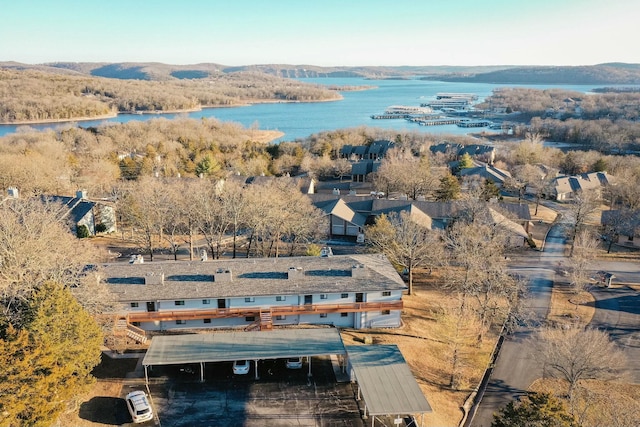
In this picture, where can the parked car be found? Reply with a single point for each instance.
(294, 363)
(241, 367)
(139, 407)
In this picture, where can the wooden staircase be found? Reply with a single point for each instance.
(262, 323)
(133, 332)
(266, 322)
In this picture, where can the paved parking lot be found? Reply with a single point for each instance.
(281, 397)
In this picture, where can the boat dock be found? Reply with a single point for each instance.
(437, 122)
(474, 123)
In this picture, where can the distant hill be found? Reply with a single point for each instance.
(160, 71)
(609, 73)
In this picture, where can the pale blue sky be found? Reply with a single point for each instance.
(322, 32)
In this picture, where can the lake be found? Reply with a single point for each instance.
(299, 120)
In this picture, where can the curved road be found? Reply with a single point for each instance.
(617, 312)
(515, 369)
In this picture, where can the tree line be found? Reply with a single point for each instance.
(606, 121)
(31, 96)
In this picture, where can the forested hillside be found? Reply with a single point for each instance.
(608, 121)
(30, 96)
(612, 73)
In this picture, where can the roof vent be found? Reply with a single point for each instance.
(358, 271)
(13, 192)
(326, 252)
(154, 279)
(222, 275)
(294, 272)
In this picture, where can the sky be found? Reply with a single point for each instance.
(322, 32)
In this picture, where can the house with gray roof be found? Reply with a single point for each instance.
(515, 218)
(355, 291)
(486, 172)
(377, 150)
(566, 187)
(80, 210)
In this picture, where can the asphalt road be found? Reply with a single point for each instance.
(515, 369)
(617, 312)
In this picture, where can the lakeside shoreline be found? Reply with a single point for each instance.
(161, 112)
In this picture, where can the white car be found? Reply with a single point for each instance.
(139, 407)
(294, 363)
(241, 367)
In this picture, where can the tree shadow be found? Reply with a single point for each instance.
(105, 410)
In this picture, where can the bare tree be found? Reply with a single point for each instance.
(406, 240)
(479, 272)
(575, 354)
(35, 247)
(584, 254)
(236, 205)
(402, 171)
(582, 206)
(278, 212)
(146, 207)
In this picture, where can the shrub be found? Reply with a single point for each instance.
(82, 231)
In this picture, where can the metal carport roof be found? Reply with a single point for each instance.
(386, 382)
(252, 345)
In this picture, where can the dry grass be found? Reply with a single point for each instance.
(598, 403)
(567, 306)
(424, 343)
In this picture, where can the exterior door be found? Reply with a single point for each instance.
(151, 306)
(359, 297)
(308, 299)
(222, 303)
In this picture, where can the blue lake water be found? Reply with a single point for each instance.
(299, 120)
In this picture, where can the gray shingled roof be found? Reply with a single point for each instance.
(250, 277)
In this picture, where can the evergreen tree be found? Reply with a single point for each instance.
(534, 410)
(465, 162)
(449, 189)
(48, 360)
(489, 190)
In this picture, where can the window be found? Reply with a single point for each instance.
(206, 301)
(344, 295)
(323, 296)
(344, 314)
(280, 317)
(322, 315)
(136, 324)
(181, 322)
(206, 320)
(386, 312)
(250, 318)
(386, 294)
(281, 298)
(134, 304)
(249, 299)
(181, 302)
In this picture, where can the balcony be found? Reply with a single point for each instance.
(258, 312)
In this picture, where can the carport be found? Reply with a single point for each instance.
(253, 345)
(386, 382)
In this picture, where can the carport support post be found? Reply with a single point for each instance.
(146, 377)
(201, 372)
(309, 363)
(256, 366)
